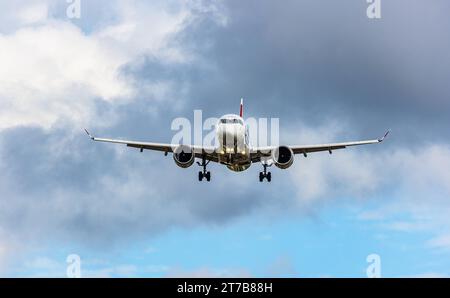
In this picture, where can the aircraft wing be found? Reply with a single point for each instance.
(207, 152)
(305, 149)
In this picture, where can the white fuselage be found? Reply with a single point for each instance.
(232, 136)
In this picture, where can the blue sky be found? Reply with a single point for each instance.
(335, 244)
(126, 69)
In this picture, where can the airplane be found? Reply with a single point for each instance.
(234, 150)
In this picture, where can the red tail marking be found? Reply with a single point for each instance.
(241, 111)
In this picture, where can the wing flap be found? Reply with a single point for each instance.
(208, 153)
(329, 147)
(258, 153)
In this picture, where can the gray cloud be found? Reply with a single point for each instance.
(73, 188)
(322, 60)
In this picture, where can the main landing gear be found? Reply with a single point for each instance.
(265, 174)
(204, 173)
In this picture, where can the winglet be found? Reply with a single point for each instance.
(87, 132)
(385, 135)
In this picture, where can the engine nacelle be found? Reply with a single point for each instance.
(283, 157)
(183, 156)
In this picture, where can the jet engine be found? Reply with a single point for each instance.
(183, 156)
(283, 157)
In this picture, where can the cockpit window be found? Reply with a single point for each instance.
(232, 121)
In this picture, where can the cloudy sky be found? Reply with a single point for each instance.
(126, 69)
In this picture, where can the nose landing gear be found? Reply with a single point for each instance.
(265, 174)
(204, 173)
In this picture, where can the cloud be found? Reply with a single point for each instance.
(441, 242)
(410, 185)
(42, 266)
(74, 181)
(362, 172)
(322, 175)
(417, 190)
(339, 66)
(73, 189)
(114, 271)
(52, 70)
(428, 275)
(282, 266)
(55, 72)
(34, 12)
(17, 14)
(3, 252)
(206, 272)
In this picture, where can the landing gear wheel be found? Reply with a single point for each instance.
(265, 174)
(204, 173)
